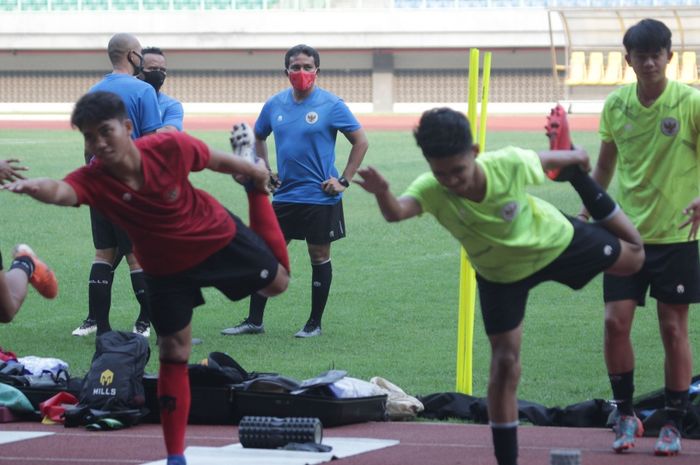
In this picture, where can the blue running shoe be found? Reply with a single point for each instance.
(669, 442)
(176, 460)
(627, 428)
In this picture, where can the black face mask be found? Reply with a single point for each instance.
(138, 69)
(154, 78)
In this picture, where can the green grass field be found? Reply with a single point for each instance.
(393, 305)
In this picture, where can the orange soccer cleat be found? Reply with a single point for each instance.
(557, 131)
(43, 278)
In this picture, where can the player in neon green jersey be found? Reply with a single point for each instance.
(514, 241)
(649, 132)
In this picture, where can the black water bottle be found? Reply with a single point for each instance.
(274, 432)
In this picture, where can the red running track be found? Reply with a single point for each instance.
(421, 443)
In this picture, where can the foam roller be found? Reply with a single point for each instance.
(274, 432)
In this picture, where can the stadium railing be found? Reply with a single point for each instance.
(175, 5)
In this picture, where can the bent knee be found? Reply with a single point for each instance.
(278, 285)
(630, 261)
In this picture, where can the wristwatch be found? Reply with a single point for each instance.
(344, 182)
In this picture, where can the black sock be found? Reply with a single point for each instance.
(321, 277)
(598, 203)
(23, 263)
(100, 295)
(257, 309)
(676, 405)
(505, 443)
(623, 390)
(138, 283)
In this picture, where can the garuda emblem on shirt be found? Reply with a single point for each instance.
(172, 194)
(669, 126)
(509, 211)
(311, 117)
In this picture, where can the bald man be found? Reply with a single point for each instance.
(111, 243)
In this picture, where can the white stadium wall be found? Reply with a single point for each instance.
(277, 29)
(386, 59)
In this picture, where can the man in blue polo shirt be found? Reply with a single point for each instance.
(111, 243)
(154, 72)
(305, 120)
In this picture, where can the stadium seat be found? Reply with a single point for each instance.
(577, 69)
(613, 69)
(303, 4)
(64, 5)
(408, 3)
(672, 68)
(156, 4)
(594, 73)
(186, 4)
(440, 3)
(95, 4)
(689, 68)
(8, 5)
(34, 5)
(218, 5)
(125, 4)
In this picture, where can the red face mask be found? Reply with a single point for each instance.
(302, 80)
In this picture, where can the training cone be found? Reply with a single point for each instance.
(273, 432)
(557, 131)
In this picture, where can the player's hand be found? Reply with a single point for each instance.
(332, 186)
(585, 160)
(10, 171)
(275, 182)
(372, 181)
(260, 176)
(693, 213)
(23, 186)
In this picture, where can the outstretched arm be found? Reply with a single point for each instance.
(45, 190)
(393, 208)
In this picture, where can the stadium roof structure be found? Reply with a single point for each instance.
(601, 29)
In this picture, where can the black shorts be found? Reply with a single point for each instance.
(240, 269)
(592, 250)
(671, 272)
(106, 235)
(316, 224)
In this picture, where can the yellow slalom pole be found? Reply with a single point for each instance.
(473, 96)
(467, 278)
(485, 81)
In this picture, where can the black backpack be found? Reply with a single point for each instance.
(115, 379)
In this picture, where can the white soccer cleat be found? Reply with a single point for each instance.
(243, 142)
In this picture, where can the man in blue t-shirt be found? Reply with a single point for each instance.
(154, 72)
(305, 120)
(111, 243)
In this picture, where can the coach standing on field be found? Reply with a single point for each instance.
(154, 72)
(305, 120)
(111, 243)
